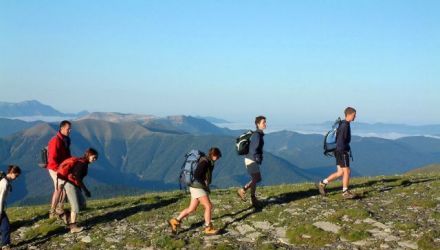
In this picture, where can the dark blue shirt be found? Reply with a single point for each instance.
(343, 137)
(256, 147)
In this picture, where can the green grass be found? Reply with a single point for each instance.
(427, 241)
(318, 237)
(352, 213)
(406, 202)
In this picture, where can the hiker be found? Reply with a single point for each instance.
(342, 154)
(58, 150)
(200, 191)
(70, 177)
(253, 161)
(5, 187)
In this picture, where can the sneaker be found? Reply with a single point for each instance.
(321, 187)
(242, 194)
(175, 224)
(348, 195)
(210, 230)
(75, 229)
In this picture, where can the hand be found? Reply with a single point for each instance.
(87, 193)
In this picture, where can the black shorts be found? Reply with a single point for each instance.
(342, 159)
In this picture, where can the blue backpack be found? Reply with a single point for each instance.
(330, 139)
(189, 167)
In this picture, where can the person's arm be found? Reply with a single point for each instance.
(254, 142)
(3, 189)
(254, 145)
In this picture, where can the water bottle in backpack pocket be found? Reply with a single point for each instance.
(189, 167)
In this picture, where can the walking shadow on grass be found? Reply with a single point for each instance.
(129, 211)
(379, 185)
(243, 214)
(42, 238)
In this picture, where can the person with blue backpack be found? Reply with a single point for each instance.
(253, 160)
(342, 154)
(198, 179)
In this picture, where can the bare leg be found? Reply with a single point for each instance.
(204, 200)
(346, 177)
(187, 211)
(335, 175)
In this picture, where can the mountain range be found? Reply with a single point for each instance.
(144, 152)
(32, 108)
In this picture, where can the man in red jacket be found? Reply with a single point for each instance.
(58, 150)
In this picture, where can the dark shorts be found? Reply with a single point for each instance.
(342, 159)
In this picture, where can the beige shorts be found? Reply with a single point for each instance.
(251, 166)
(197, 193)
(53, 176)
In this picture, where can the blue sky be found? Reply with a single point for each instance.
(294, 61)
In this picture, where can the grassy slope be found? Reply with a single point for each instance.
(397, 211)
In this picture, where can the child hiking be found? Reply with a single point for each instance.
(342, 155)
(253, 160)
(5, 187)
(70, 177)
(200, 191)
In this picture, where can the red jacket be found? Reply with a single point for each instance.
(73, 170)
(58, 150)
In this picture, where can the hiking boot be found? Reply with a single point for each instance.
(175, 224)
(52, 214)
(348, 195)
(321, 187)
(59, 210)
(75, 229)
(210, 230)
(242, 194)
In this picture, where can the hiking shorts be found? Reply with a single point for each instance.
(251, 166)
(53, 176)
(197, 193)
(74, 195)
(342, 159)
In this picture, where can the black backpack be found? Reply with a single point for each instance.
(330, 138)
(43, 158)
(242, 143)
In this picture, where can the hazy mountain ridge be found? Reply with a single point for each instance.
(32, 108)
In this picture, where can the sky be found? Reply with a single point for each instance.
(292, 61)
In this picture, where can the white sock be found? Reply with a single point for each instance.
(344, 189)
(325, 181)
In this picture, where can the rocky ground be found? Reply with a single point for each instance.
(396, 212)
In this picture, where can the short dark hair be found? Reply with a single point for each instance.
(349, 111)
(64, 123)
(89, 152)
(258, 119)
(14, 169)
(214, 152)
